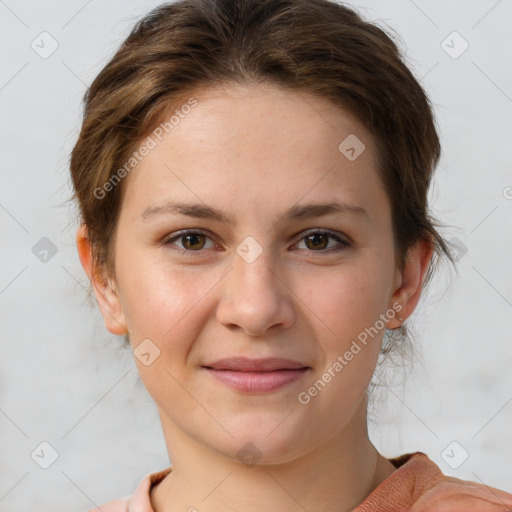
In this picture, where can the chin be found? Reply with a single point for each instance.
(261, 441)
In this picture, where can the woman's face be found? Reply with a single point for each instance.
(264, 273)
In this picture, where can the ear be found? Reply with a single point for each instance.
(105, 290)
(409, 283)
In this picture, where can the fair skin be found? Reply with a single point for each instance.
(253, 153)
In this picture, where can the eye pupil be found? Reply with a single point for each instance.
(316, 243)
(194, 238)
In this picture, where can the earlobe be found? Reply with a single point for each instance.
(105, 290)
(408, 292)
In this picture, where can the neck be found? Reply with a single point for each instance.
(337, 475)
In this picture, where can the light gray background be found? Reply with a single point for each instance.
(65, 380)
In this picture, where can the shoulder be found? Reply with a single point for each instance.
(453, 495)
(419, 485)
(140, 499)
(436, 492)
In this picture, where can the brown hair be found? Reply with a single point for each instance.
(313, 46)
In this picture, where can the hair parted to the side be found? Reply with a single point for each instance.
(311, 46)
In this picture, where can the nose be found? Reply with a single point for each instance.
(255, 297)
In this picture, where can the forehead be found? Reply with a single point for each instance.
(255, 146)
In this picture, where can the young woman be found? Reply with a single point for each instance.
(252, 179)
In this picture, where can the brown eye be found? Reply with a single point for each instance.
(318, 241)
(190, 241)
(194, 242)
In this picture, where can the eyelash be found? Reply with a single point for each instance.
(343, 244)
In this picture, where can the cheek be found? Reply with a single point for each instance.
(155, 298)
(348, 301)
(346, 307)
(170, 306)
(166, 307)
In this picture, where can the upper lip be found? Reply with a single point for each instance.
(246, 364)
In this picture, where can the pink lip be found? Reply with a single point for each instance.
(247, 364)
(256, 375)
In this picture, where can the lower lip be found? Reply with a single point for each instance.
(257, 382)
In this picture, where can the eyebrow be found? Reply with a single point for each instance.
(296, 212)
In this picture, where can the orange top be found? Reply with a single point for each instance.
(418, 485)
